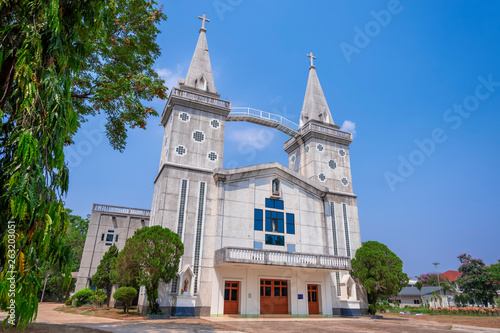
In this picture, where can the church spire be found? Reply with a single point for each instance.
(315, 106)
(199, 75)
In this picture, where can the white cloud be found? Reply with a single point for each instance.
(349, 126)
(170, 76)
(276, 99)
(257, 138)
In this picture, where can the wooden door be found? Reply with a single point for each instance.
(231, 296)
(273, 296)
(312, 298)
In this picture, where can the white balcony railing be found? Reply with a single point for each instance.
(279, 258)
(317, 127)
(200, 98)
(122, 210)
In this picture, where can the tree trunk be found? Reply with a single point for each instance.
(372, 300)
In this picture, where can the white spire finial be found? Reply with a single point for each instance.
(203, 18)
(310, 55)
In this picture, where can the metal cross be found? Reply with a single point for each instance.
(310, 55)
(203, 18)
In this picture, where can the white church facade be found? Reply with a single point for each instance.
(261, 239)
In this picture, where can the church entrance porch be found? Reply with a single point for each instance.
(231, 296)
(270, 291)
(273, 296)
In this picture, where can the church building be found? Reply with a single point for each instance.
(260, 239)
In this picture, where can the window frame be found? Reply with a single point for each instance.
(279, 219)
(271, 203)
(256, 219)
(274, 239)
(290, 225)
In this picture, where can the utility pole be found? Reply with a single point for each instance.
(439, 284)
(44, 284)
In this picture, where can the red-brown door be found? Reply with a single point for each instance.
(231, 296)
(312, 298)
(273, 296)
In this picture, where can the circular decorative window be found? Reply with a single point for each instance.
(322, 177)
(198, 136)
(212, 156)
(184, 116)
(342, 152)
(307, 149)
(332, 164)
(180, 150)
(320, 147)
(344, 181)
(215, 123)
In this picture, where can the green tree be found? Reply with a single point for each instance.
(494, 270)
(55, 288)
(429, 279)
(125, 295)
(76, 235)
(104, 276)
(151, 254)
(61, 62)
(379, 270)
(475, 280)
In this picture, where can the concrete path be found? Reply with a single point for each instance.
(47, 315)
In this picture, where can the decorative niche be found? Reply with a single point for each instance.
(275, 189)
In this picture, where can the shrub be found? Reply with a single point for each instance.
(99, 297)
(466, 310)
(125, 295)
(67, 302)
(83, 296)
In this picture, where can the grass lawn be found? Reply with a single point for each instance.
(112, 313)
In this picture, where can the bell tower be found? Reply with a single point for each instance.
(194, 116)
(321, 151)
(193, 144)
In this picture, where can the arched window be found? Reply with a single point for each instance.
(201, 83)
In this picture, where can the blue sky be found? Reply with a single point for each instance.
(420, 81)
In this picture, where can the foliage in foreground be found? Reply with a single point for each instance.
(125, 295)
(61, 62)
(380, 271)
(150, 255)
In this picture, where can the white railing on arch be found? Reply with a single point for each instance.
(237, 112)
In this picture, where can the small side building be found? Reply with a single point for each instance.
(108, 225)
(411, 296)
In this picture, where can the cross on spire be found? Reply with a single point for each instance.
(203, 18)
(310, 55)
